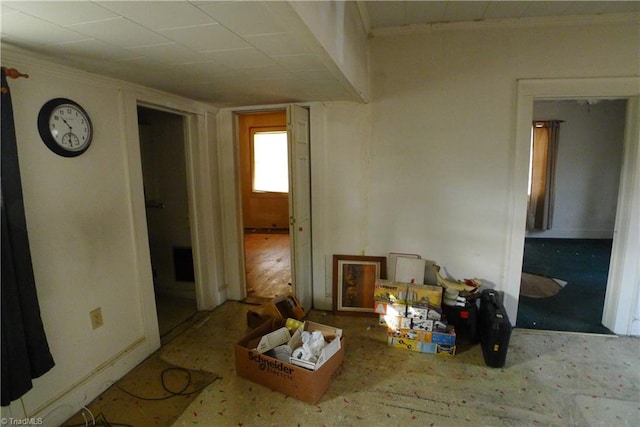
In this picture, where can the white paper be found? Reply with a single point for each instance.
(409, 270)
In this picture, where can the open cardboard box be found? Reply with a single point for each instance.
(281, 307)
(295, 381)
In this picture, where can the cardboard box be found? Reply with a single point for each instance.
(282, 307)
(443, 338)
(385, 293)
(438, 349)
(388, 294)
(418, 334)
(295, 381)
(428, 347)
(445, 350)
(404, 343)
(427, 296)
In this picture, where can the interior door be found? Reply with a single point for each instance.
(300, 203)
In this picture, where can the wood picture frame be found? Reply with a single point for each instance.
(354, 279)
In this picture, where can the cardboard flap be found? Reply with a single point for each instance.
(273, 339)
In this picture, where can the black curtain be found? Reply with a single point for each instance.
(25, 351)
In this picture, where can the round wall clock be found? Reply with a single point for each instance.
(65, 127)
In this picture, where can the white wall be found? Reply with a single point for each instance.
(426, 166)
(339, 28)
(588, 167)
(80, 230)
(87, 231)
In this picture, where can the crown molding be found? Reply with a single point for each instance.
(546, 21)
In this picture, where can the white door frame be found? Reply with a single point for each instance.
(622, 288)
(230, 191)
(199, 184)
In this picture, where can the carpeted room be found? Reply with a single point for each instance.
(569, 239)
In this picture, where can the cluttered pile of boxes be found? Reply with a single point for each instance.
(422, 317)
(426, 318)
(298, 358)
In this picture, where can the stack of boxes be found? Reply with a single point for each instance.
(413, 317)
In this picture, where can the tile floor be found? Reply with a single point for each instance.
(549, 379)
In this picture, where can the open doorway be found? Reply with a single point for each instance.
(264, 171)
(164, 169)
(565, 265)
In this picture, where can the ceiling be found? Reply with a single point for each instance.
(231, 53)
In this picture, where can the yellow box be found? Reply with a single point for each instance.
(404, 343)
(425, 296)
(385, 293)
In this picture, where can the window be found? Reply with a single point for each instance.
(270, 162)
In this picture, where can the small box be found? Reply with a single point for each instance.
(404, 343)
(445, 350)
(385, 293)
(331, 335)
(428, 347)
(274, 339)
(427, 296)
(443, 338)
(295, 381)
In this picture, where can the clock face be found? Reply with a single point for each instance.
(69, 127)
(65, 127)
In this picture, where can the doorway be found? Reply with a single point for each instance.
(566, 263)
(164, 170)
(621, 297)
(264, 172)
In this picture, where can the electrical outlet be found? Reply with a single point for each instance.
(96, 318)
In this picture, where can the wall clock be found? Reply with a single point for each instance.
(65, 127)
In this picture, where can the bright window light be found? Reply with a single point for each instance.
(270, 162)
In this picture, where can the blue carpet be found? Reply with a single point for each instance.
(584, 264)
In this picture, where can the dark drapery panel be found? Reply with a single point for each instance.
(25, 350)
(544, 152)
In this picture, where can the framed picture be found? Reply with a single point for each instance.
(354, 279)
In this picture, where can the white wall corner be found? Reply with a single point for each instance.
(341, 41)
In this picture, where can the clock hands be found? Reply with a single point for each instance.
(66, 123)
(69, 139)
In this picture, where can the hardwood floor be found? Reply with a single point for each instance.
(267, 264)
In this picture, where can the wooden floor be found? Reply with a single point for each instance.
(267, 264)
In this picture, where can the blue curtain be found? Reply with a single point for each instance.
(25, 350)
